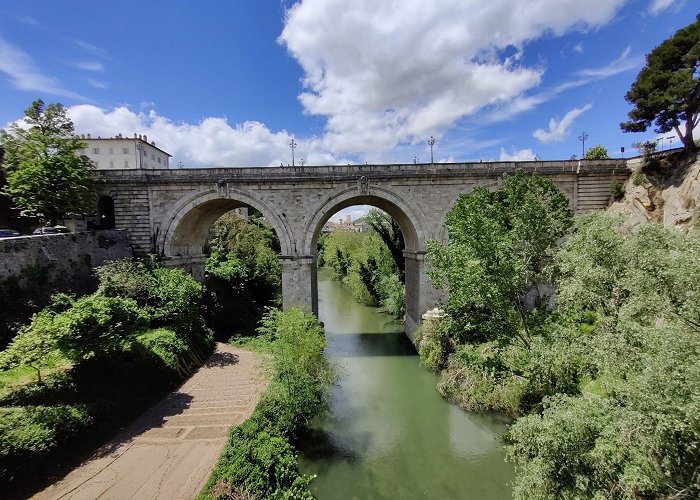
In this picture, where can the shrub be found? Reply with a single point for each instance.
(258, 459)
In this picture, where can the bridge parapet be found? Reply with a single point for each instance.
(343, 172)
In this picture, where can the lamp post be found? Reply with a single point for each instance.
(431, 143)
(415, 159)
(670, 141)
(583, 138)
(292, 146)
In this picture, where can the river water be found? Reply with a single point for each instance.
(390, 434)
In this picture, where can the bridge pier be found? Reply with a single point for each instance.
(420, 293)
(299, 282)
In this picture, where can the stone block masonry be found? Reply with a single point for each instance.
(67, 259)
(171, 211)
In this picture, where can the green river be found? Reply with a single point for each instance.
(390, 434)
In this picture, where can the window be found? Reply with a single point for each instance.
(125, 151)
(111, 164)
(153, 157)
(111, 151)
(126, 163)
(97, 164)
(159, 159)
(95, 151)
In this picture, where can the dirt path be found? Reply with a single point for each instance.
(170, 450)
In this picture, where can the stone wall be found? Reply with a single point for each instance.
(65, 259)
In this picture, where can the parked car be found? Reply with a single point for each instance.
(51, 230)
(8, 233)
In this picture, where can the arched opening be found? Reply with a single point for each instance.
(233, 246)
(105, 212)
(413, 253)
(186, 227)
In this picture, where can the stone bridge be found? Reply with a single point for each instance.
(170, 212)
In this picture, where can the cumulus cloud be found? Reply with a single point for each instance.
(558, 129)
(212, 142)
(400, 70)
(518, 155)
(24, 75)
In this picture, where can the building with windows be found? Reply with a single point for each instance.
(117, 153)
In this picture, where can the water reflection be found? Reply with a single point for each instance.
(390, 434)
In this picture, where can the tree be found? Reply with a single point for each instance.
(597, 152)
(498, 245)
(46, 175)
(667, 90)
(390, 233)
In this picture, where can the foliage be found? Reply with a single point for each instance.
(628, 323)
(498, 245)
(33, 429)
(46, 174)
(243, 274)
(617, 189)
(667, 90)
(392, 236)
(364, 263)
(97, 362)
(258, 458)
(597, 152)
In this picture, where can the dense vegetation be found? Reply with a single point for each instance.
(259, 460)
(46, 174)
(606, 381)
(364, 263)
(86, 366)
(243, 274)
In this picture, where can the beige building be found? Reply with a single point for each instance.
(117, 153)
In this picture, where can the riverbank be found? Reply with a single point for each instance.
(171, 449)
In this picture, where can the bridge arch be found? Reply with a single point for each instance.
(186, 226)
(411, 221)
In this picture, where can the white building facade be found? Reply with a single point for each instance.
(120, 153)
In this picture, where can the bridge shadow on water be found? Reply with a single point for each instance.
(343, 345)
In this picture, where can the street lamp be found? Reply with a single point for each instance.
(292, 146)
(431, 143)
(583, 138)
(415, 159)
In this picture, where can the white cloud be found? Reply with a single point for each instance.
(517, 155)
(98, 84)
(558, 129)
(400, 70)
(213, 142)
(24, 75)
(89, 65)
(619, 65)
(657, 6)
(29, 21)
(578, 48)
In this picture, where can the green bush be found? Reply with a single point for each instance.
(363, 262)
(258, 458)
(28, 431)
(243, 275)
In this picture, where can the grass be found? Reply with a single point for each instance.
(15, 378)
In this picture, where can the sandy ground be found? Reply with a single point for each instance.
(171, 449)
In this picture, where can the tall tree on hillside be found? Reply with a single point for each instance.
(46, 174)
(667, 90)
(390, 233)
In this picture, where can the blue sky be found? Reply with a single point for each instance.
(230, 83)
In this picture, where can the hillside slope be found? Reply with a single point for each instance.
(664, 189)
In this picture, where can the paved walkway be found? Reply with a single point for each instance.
(170, 450)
